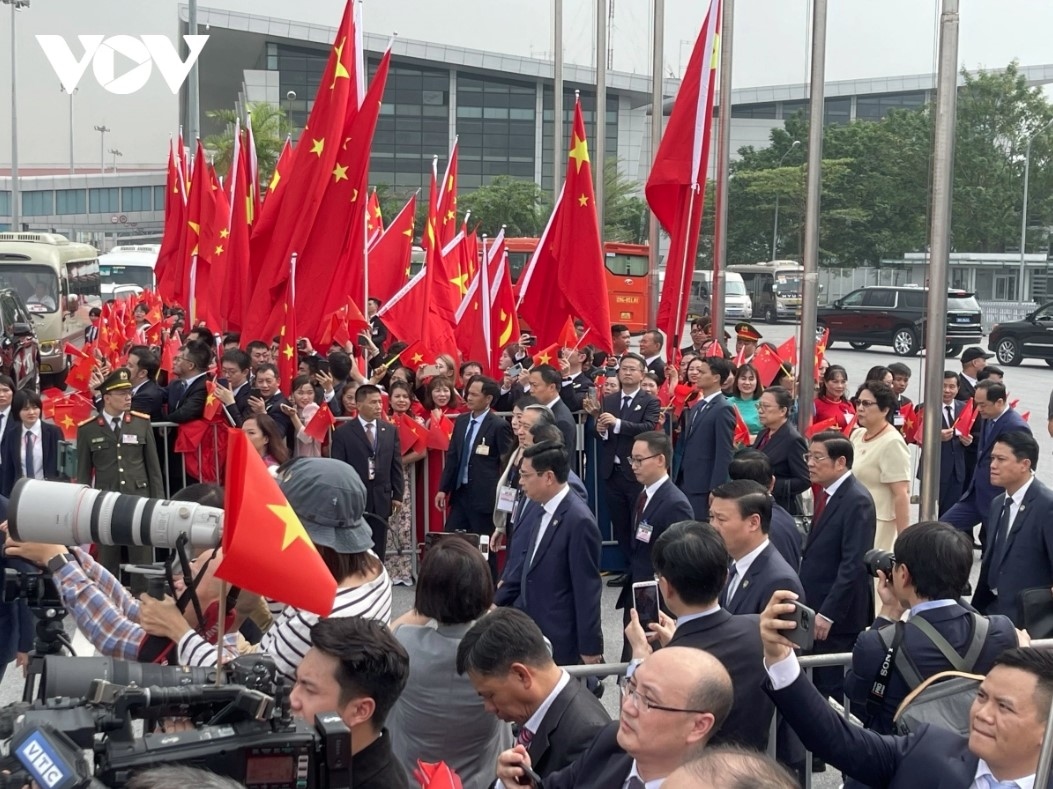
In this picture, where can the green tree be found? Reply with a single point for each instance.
(521, 206)
(270, 128)
(625, 213)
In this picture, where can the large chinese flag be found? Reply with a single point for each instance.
(677, 184)
(288, 358)
(235, 293)
(447, 211)
(475, 328)
(389, 257)
(565, 275)
(265, 547)
(169, 264)
(374, 219)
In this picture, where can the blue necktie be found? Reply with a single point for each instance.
(469, 436)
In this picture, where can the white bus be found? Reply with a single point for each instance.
(774, 288)
(128, 269)
(58, 279)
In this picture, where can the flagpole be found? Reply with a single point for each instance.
(220, 635)
(685, 255)
(657, 114)
(720, 252)
(193, 289)
(365, 260)
(600, 141)
(557, 96)
(484, 303)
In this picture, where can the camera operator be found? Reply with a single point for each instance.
(928, 573)
(16, 620)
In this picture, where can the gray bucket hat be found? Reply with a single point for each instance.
(329, 499)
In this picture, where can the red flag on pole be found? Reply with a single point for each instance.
(321, 423)
(966, 417)
(389, 257)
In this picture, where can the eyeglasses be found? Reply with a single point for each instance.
(632, 368)
(643, 704)
(634, 461)
(865, 403)
(813, 458)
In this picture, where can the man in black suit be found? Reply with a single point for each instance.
(1007, 721)
(370, 446)
(147, 397)
(236, 366)
(576, 380)
(1020, 534)
(708, 436)
(932, 566)
(185, 397)
(378, 332)
(545, 381)
(651, 343)
(754, 465)
(8, 419)
(16, 620)
(832, 574)
(659, 505)
(741, 512)
(623, 417)
(270, 400)
(691, 563)
(672, 704)
(473, 461)
(974, 359)
(509, 664)
(952, 452)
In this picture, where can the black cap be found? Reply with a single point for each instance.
(975, 352)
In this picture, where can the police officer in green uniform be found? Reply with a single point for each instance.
(116, 451)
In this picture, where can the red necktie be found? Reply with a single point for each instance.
(641, 503)
(764, 439)
(821, 497)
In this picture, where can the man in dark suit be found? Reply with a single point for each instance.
(659, 505)
(559, 585)
(741, 512)
(651, 343)
(8, 419)
(509, 664)
(545, 381)
(832, 574)
(952, 452)
(691, 563)
(999, 418)
(1020, 553)
(1006, 723)
(16, 620)
(378, 332)
(752, 464)
(973, 359)
(623, 417)
(709, 429)
(270, 400)
(147, 397)
(932, 566)
(371, 447)
(576, 380)
(186, 402)
(663, 721)
(236, 367)
(473, 461)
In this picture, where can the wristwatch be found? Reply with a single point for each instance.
(56, 563)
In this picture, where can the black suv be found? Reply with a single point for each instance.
(1031, 337)
(895, 316)
(19, 349)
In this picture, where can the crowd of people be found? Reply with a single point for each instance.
(731, 522)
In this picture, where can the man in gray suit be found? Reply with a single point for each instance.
(510, 666)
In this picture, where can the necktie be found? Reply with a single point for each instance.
(998, 545)
(730, 589)
(524, 737)
(369, 435)
(116, 426)
(466, 457)
(30, 469)
(821, 497)
(626, 399)
(180, 391)
(699, 407)
(641, 504)
(635, 783)
(948, 415)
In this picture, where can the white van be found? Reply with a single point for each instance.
(128, 269)
(737, 304)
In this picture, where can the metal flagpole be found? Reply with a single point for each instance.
(720, 251)
(600, 143)
(657, 116)
(557, 97)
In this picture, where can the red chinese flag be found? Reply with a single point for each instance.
(412, 434)
(203, 445)
(566, 274)
(742, 431)
(265, 547)
(503, 318)
(767, 363)
(447, 213)
(966, 417)
(389, 257)
(237, 283)
(850, 425)
(917, 436)
(677, 183)
(168, 353)
(354, 320)
(321, 423)
(168, 270)
(788, 352)
(374, 220)
(665, 397)
(212, 403)
(288, 358)
(439, 434)
(818, 427)
(436, 776)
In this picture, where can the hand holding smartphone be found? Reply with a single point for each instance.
(645, 601)
(803, 635)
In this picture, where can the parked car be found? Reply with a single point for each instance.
(886, 315)
(19, 349)
(1031, 337)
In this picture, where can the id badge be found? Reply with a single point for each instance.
(898, 420)
(644, 531)
(482, 449)
(506, 499)
(127, 439)
(372, 469)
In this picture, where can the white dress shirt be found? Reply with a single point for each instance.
(549, 507)
(38, 450)
(742, 566)
(650, 490)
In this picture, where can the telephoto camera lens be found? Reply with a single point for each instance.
(876, 559)
(72, 676)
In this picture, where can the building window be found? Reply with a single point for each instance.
(71, 201)
(495, 125)
(764, 111)
(38, 203)
(837, 110)
(103, 201)
(159, 198)
(588, 113)
(136, 198)
(5, 203)
(876, 107)
(299, 70)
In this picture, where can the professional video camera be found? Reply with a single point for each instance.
(242, 729)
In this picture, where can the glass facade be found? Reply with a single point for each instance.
(5, 203)
(104, 201)
(71, 201)
(299, 70)
(159, 198)
(137, 198)
(495, 127)
(38, 203)
(837, 110)
(763, 111)
(876, 107)
(588, 112)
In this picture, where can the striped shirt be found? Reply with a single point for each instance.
(289, 638)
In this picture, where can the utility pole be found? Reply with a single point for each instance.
(600, 144)
(720, 251)
(193, 91)
(115, 153)
(102, 130)
(16, 198)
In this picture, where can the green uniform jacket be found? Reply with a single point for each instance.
(125, 463)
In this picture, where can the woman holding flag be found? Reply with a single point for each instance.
(300, 411)
(413, 442)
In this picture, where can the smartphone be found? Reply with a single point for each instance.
(323, 365)
(528, 341)
(301, 343)
(514, 371)
(363, 341)
(591, 393)
(804, 634)
(645, 601)
(255, 393)
(529, 778)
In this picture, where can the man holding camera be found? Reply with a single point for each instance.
(924, 579)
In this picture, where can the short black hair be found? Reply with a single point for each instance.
(470, 363)
(877, 373)
(490, 387)
(549, 374)
(719, 366)
(364, 391)
(783, 398)
(939, 558)
(950, 374)
(198, 354)
(658, 443)
(693, 560)
(454, 585)
(339, 365)
(234, 356)
(232, 337)
(1022, 444)
(993, 390)
(267, 367)
(656, 335)
(255, 345)
(26, 397)
(751, 464)
(203, 334)
(618, 328)
(1037, 661)
(752, 498)
(636, 358)
(836, 445)
(8, 381)
(899, 368)
(299, 381)
(499, 639)
(148, 360)
(883, 394)
(371, 661)
(549, 456)
(988, 371)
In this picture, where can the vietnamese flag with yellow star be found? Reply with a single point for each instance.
(265, 547)
(565, 275)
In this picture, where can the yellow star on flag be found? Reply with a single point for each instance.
(544, 358)
(418, 358)
(461, 282)
(376, 212)
(210, 399)
(224, 233)
(274, 181)
(339, 173)
(318, 145)
(341, 70)
(218, 250)
(67, 422)
(449, 215)
(287, 351)
(583, 200)
(294, 530)
(579, 152)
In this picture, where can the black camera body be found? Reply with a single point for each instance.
(876, 559)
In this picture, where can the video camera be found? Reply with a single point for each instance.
(242, 728)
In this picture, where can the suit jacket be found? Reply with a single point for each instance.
(388, 484)
(735, 642)
(980, 487)
(1028, 553)
(189, 406)
(603, 766)
(667, 506)
(642, 416)
(273, 409)
(965, 392)
(785, 536)
(952, 453)
(567, 426)
(574, 389)
(832, 561)
(933, 758)
(12, 448)
(16, 620)
(657, 366)
(572, 722)
(709, 428)
(953, 622)
(484, 467)
(785, 449)
(560, 588)
(149, 399)
(768, 573)
(127, 463)
(237, 410)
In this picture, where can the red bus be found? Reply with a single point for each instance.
(628, 283)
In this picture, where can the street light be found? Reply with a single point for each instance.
(16, 218)
(71, 94)
(115, 153)
(775, 224)
(102, 147)
(1023, 213)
